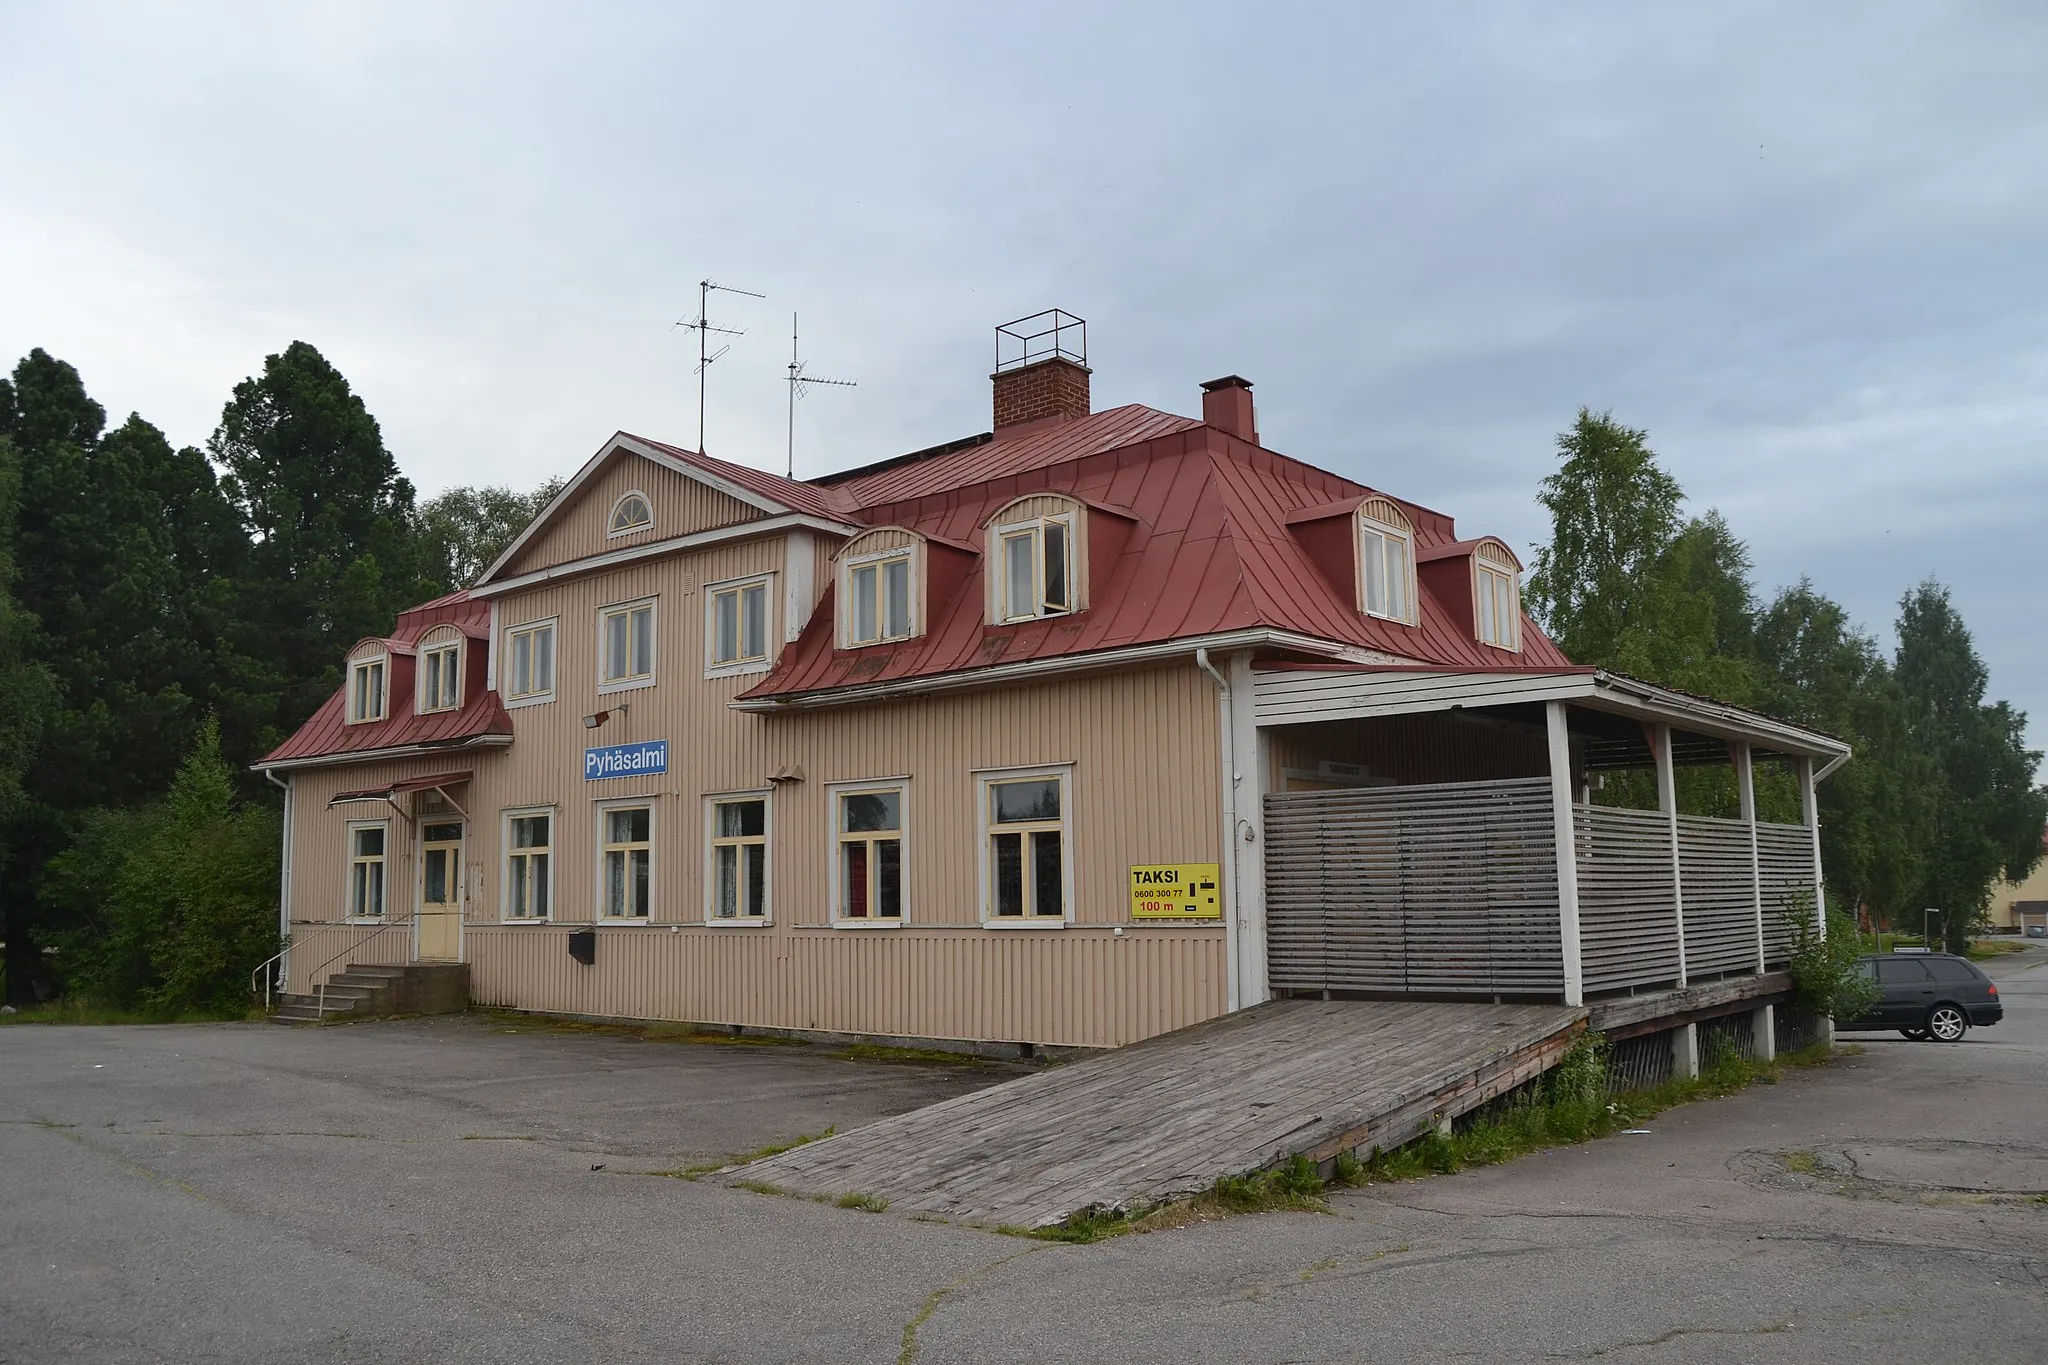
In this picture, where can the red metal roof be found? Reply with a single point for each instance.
(1210, 551)
(399, 788)
(327, 732)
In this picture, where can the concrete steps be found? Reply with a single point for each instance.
(364, 990)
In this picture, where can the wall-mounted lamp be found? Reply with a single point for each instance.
(592, 722)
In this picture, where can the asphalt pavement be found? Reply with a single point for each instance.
(474, 1188)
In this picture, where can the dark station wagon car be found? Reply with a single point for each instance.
(1927, 995)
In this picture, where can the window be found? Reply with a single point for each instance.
(736, 630)
(1036, 568)
(630, 513)
(878, 599)
(627, 872)
(738, 877)
(868, 873)
(529, 864)
(1024, 828)
(1386, 561)
(531, 651)
(626, 645)
(366, 870)
(366, 690)
(1900, 971)
(441, 677)
(1498, 607)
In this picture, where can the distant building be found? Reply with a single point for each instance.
(986, 742)
(2020, 905)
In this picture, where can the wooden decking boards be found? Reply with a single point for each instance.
(1169, 1116)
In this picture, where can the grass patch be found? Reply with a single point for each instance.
(908, 1056)
(1984, 949)
(653, 1031)
(85, 1012)
(1801, 1163)
(704, 1168)
(866, 1203)
(759, 1187)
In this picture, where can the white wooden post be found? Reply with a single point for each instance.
(1567, 852)
(1667, 801)
(1809, 810)
(1745, 786)
(1247, 846)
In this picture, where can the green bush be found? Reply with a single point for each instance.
(1826, 972)
(178, 898)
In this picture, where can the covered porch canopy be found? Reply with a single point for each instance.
(1434, 832)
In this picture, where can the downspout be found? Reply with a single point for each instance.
(284, 887)
(1232, 996)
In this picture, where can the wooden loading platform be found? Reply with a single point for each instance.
(1168, 1117)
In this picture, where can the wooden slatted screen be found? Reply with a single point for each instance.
(1785, 858)
(1628, 916)
(1720, 899)
(1443, 889)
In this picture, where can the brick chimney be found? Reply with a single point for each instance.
(1041, 368)
(1227, 406)
(1044, 388)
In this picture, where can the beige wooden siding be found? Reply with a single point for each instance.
(681, 506)
(878, 540)
(1145, 789)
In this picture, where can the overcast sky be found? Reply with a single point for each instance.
(1805, 246)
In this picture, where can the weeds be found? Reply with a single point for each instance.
(78, 1011)
(866, 1203)
(704, 1168)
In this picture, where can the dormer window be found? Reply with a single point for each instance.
(1497, 596)
(878, 589)
(630, 513)
(441, 676)
(1036, 562)
(1386, 561)
(366, 690)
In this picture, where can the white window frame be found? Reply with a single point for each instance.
(651, 805)
(382, 663)
(350, 859)
(612, 530)
(1001, 610)
(1390, 535)
(554, 856)
(633, 680)
(510, 662)
(833, 837)
(847, 615)
(713, 842)
(987, 828)
(421, 672)
(1484, 574)
(746, 663)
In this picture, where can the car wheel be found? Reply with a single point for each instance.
(1947, 1023)
(1918, 1035)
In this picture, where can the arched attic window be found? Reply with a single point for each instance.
(1035, 568)
(630, 513)
(1497, 595)
(440, 670)
(1386, 561)
(880, 593)
(369, 683)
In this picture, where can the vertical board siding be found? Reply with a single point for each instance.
(1720, 906)
(1145, 789)
(1082, 989)
(1785, 862)
(1441, 889)
(681, 506)
(1628, 934)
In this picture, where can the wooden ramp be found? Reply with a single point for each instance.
(1169, 1116)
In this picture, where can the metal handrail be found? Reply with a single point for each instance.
(320, 992)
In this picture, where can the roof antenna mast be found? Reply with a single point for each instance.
(799, 384)
(701, 325)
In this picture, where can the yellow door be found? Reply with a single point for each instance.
(441, 892)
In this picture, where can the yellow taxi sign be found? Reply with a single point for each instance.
(1177, 891)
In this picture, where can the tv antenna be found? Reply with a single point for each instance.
(702, 326)
(801, 383)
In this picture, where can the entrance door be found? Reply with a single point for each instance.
(441, 892)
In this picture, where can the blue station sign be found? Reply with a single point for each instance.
(625, 760)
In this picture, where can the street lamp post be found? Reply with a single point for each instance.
(1926, 929)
